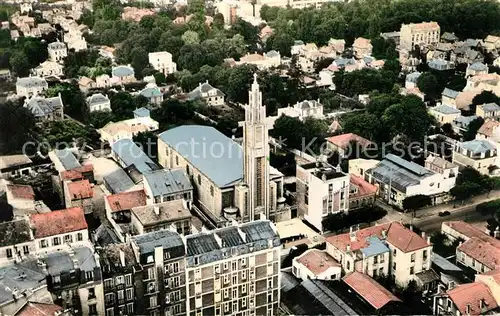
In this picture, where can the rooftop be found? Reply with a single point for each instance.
(323, 170)
(142, 112)
(343, 141)
(118, 181)
(126, 200)
(490, 107)
(130, 154)
(97, 98)
(66, 260)
(364, 187)
(203, 88)
(122, 71)
(467, 229)
(151, 92)
(67, 158)
(317, 261)
(192, 141)
(110, 256)
(450, 93)
(169, 211)
(40, 106)
(471, 295)
(39, 309)
(76, 173)
(168, 182)
(445, 109)
(80, 190)
(21, 276)
(14, 232)
(477, 146)
(162, 238)
(13, 161)
(440, 162)
(31, 82)
(486, 252)
(488, 128)
(478, 67)
(370, 290)
(58, 222)
(19, 191)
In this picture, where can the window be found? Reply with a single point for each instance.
(166, 255)
(348, 265)
(151, 273)
(425, 255)
(177, 160)
(199, 180)
(128, 279)
(79, 237)
(119, 280)
(394, 266)
(43, 243)
(226, 279)
(234, 293)
(9, 253)
(375, 260)
(130, 294)
(196, 260)
(244, 302)
(121, 295)
(26, 249)
(176, 282)
(110, 312)
(234, 266)
(374, 272)
(177, 309)
(56, 279)
(244, 288)
(152, 301)
(235, 279)
(412, 270)
(93, 309)
(89, 275)
(212, 190)
(91, 293)
(68, 238)
(187, 169)
(243, 261)
(243, 274)
(226, 307)
(269, 298)
(226, 265)
(412, 257)
(235, 306)
(226, 293)
(270, 283)
(130, 308)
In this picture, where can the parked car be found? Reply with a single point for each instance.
(445, 213)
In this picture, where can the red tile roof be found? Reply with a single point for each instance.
(495, 274)
(39, 309)
(396, 234)
(488, 127)
(126, 200)
(471, 294)
(76, 173)
(467, 229)
(58, 222)
(369, 289)
(483, 251)
(317, 261)
(343, 141)
(364, 187)
(80, 190)
(21, 191)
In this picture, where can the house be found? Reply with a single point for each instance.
(123, 74)
(442, 166)
(98, 102)
(479, 154)
(388, 249)
(153, 94)
(448, 97)
(491, 43)
(78, 194)
(63, 159)
(475, 69)
(326, 79)
(142, 112)
(361, 193)
(461, 123)
(15, 165)
(362, 47)
(343, 143)
(398, 179)
(440, 64)
(422, 34)
(49, 68)
(267, 60)
(173, 215)
(297, 47)
(316, 264)
(449, 37)
(41, 309)
(46, 109)
(488, 82)
(127, 129)
(54, 229)
(321, 190)
(488, 110)
(21, 197)
(162, 61)
(210, 95)
(103, 81)
(132, 158)
(303, 110)
(445, 114)
(359, 166)
(411, 80)
(165, 185)
(5, 74)
(57, 51)
(85, 84)
(29, 86)
(119, 207)
(136, 14)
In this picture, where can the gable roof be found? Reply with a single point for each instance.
(452, 94)
(170, 181)
(122, 71)
(370, 290)
(29, 82)
(343, 141)
(14, 161)
(470, 295)
(44, 106)
(485, 251)
(203, 88)
(126, 200)
(80, 190)
(477, 146)
(19, 191)
(58, 222)
(130, 154)
(488, 128)
(39, 309)
(445, 109)
(490, 107)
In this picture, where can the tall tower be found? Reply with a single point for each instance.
(256, 153)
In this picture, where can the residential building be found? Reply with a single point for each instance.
(345, 144)
(488, 110)
(267, 60)
(362, 47)
(361, 193)
(57, 51)
(321, 190)
(127, 129)
(98, 102)
(103, 81)
(421, 34)
(45, 109)
(397, 179)
(41, 309)
(64, 159)
(359, 166)
(208, 94)
(442, 166)
(389, 249)
(29, 86)
(486, 82)
(85, 84)
(132, 158)
(49, 68)
(161, 255)
(16, 242)
(153, 94)
(448, 97)
(5, 74)
(411, 80)
(445, 114)
(461, 123)
(476, 69)
(15, 165)
(441, 64)
(78, 194)
(172, 215)
(162, 61)
(119, 209)
(303, 110)
(166, 185)
(478, 154)
(136, 14)
(316, 264)
(123, 74)
(53, 230)
(119, 273)
(142, 112)
(20, 197)
(234, 270)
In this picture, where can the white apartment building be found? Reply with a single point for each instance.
(422, 34)
(29, 86)
(98, 102)
(303, 110)
(234, 270)
(19, 245)
(321, 189)
(162, 61)
(479, 154)
(49, 68)
(389, 249)
(267, 60)
(57, 51)
(113, 132)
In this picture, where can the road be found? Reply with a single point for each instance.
(467, 214)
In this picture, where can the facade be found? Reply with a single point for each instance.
(45, 109)
(15, 165)
(268, 60)
(389, 249)
(421, 34)
(361, 193)
(321, 190)
(85, 84)
(127, 129)
(20, 197)
(442, 166)
(316, 264)
(362, 47)
(488, 110)
(475, 69)
(445, 114)
(303, 110)
(49, 68)
(166, 185)
(119, 209)
(153, 94)
(29, 86)
(16, 242)
(397, 179)
(78, 193)
(477, 154)
(208, 94)
(234, 270)
(162, 61)
(98, 102)
(57, 51)
(448, 97)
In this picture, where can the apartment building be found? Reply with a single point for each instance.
(479, 154)
(303, 110)
(168, 184)
(162, 61)
(161, 255)
(234, 270)
(127, 129)
(57, 51)
(421, 34)
(321, 190)
(389, 249)
(173, 215)
(29, 86)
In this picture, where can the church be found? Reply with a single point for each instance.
(231, 181)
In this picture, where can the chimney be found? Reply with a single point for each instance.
(384, 234)
(122, 258)
(348, 248)
(262, 217)
(423, 235)
(323, 177)
(428, 240)
(411, 227)
(496, 233)
(156, 209)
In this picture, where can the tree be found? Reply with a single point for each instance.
(192, 57)
(190, 38)
(149, 143)
(428, 84)
(281, 42)
(484, 98)
(73, 99)
(463, 191)
(238, 83)
(472, 128)
(17, 123)
(122, 105)
(65, 131)
(20, 64)
(383, 49)
(416, 202)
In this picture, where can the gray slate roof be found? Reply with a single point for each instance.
(130, 154)
(62, 262)
(477, 146)
(169, 211)
(122, 71)
(413, 77)
(44, 106)
(142, 112)
(56, 45)
(272, 54)
(464, 121)
(162, 238)
(97, 98)
(203, 88)
(445, 109)
(478, 67)
(9, 279)
(214, 154)
(168, 182)
(399, 172)
(118, 181)
(67, 159)
(491, 107)
(452, 94)
(151, 92)
(32, 82)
